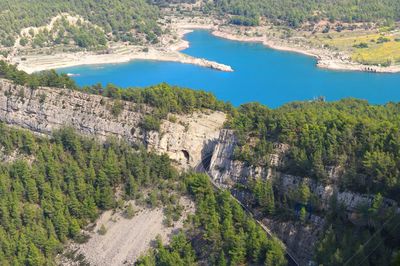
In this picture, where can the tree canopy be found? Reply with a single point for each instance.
(118, 17)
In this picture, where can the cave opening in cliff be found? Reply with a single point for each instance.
(186, 154)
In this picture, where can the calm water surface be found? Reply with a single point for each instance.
(261, 74)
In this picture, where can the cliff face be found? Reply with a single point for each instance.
(44, 110)
(299, 238)
(193, 141)
(226, 171)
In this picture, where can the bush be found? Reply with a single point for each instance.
(361, 45)
(383, 40)
(150, 123)
(102, 231)
(117, 108)
(129, 212)
(244, 21)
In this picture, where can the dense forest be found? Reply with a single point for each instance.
(126, 20)
(51, 188)
(221, 233)
(118, 17)
(83, 34)
(351, 133)
(296, 12)
(361, 138)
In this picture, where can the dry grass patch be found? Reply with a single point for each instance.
(384, 54)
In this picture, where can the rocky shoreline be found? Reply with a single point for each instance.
(36, 63)
(170, 51)
(325, 59)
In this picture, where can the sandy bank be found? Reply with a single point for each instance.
(170, 48)
(48, 58)
(35, 63)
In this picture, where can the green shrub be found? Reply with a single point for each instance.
(150, 123)
(102, 231)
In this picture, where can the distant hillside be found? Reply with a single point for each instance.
(296, 12)
(119, 17)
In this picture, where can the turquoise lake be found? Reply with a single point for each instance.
(260, 74)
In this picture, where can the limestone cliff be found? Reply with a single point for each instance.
(44, 110)
(298, 237)
(192, 141)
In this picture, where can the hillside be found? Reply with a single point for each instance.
(345, 34)
(311, 172)
(120, 18)
(296, 12)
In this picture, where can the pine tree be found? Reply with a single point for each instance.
(129, 212)
(34, 257)
(238, 252)
(105, 195)
(275, 255)
(111, 167)
(74, 228)
(221, 259)
(131, 187)
(303, 214)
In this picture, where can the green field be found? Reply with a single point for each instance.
(370, 48)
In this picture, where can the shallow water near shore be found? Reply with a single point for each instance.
(260, 74)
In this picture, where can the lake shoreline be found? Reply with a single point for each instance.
(116, 54)
(171, 51)
(324, 58)
(82, 58)
(65, 60)
(261, 75)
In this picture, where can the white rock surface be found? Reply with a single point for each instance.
(44, 110)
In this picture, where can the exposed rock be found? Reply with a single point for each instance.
(194, 141)
(227, 171)
(126, 239)
(299, 238)
(44, 110)
(14, 156)
(189, 139)
(350, 200)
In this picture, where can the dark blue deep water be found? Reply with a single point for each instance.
(261, 74)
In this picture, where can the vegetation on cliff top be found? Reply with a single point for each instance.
(165, 98)
(362, 139)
